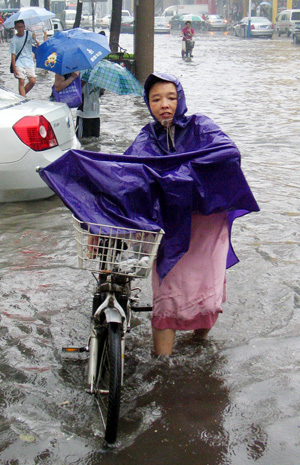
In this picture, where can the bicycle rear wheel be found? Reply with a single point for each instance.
(108, 380)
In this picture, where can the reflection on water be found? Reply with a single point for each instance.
(233, 399)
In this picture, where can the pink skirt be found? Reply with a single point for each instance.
(191, 294)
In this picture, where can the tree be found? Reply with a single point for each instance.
(78, 14)
(47, 4)
(115, 25)
(13, 4)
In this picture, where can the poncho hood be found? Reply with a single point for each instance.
(179, 117)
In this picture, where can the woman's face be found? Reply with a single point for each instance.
(163, 102)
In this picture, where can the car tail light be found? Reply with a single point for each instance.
(252, 26)
(272, 26)
(36, 132)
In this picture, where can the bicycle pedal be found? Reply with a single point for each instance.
(75, 349)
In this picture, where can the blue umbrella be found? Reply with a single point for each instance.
(30, 16)
(73, 50)
(112, 77)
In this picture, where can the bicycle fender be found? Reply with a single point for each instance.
(112, 316)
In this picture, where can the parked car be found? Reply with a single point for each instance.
(175, 22)
(296, 33)
(126, 13)
(127, 24)
(127, 20)
(260, 27)
(55, 25)
(32, 133)
(215, 23)
(104, 22)
(68, 18)
(285, 21)
(161, 25)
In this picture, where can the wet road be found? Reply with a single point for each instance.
(231, 400)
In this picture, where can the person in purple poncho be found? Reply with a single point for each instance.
(181, 174)
(190, 296)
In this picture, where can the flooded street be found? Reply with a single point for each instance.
(232, 400)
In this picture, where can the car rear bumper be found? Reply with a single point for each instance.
(217, 26)
(20, 181)
(262, 33)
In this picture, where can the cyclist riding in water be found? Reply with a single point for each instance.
(187, 34)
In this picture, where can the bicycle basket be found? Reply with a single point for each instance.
(115, 250)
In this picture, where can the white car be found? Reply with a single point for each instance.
(162, 25)
(32, 133)
(259, 27)
(68, 19)
(104, 22)
(54, 25)
(215, 23)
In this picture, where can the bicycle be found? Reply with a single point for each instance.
(188, 49)
(115, 256)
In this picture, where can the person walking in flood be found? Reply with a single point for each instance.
(21, 57)
(187, 34)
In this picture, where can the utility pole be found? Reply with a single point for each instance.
(143, 39)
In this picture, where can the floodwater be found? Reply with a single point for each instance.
(231, 400)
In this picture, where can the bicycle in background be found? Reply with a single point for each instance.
(115, 256)
(189, 45)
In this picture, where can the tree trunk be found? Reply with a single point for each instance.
(115, 25)
(47, 4)
(78, 14)
(13, 4)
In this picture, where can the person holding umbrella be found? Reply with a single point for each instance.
(21, 57)
(71, 51)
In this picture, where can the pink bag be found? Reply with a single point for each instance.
(71, 95)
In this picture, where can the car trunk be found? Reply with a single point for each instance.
(58, 115)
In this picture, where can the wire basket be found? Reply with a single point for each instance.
(115, 250)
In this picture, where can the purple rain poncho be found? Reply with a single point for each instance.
(157, 184)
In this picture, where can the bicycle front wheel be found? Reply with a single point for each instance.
(108, 380)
